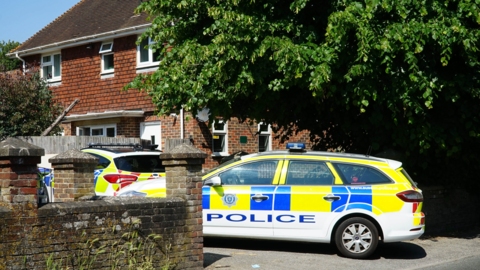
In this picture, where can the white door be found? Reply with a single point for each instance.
(151, 131)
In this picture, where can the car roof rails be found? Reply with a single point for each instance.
(135, 146)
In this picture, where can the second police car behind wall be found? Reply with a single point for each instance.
(120, 165)
(313, 196)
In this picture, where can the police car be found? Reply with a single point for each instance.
(120, 165)
(352, 200)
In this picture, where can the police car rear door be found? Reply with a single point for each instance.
(243, 204)
(306, 198)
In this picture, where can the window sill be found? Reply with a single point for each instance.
(147, 68)
(220, 154)
(54, 83)
(107, 74)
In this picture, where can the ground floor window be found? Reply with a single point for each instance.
(98, 131)
(220, 139)
(264, 137)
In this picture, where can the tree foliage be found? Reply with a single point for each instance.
(27, 106)
(5, 61)
(399, 74)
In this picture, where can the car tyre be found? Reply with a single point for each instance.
(356, 238)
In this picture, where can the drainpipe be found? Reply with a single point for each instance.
(181, 123)
(23, 69)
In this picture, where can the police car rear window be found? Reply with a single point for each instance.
(360, 175)
(308, 173)
(139, 164)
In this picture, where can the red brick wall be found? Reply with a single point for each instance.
(81, 79)
(129, 127)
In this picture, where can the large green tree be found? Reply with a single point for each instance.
(398, 74)
(27, 106)
(5, 61)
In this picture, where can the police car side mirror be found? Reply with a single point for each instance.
(213, 182)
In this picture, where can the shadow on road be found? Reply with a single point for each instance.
(270, 245)
(211, 258)
(400, 251)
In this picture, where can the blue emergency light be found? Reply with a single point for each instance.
(296, 146)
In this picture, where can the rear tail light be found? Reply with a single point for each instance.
(122, 179)
(410, 196)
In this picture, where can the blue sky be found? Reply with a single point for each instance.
(21, 19)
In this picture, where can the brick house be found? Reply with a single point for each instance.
(90, 53)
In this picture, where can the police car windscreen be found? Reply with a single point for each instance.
(139, 164)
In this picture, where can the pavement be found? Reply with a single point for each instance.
(460, 252)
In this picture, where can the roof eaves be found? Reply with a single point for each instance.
(80, 39)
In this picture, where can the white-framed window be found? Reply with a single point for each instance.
(106, 50)
(98, 131)
(145, 55)
(52, 67)
(220, 138)
(264, 137)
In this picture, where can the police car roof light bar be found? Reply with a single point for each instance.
(296, 146)
(135, 146)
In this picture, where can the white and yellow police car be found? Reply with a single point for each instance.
(120, 165)
(352, 200)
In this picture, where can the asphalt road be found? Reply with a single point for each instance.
(433, 253)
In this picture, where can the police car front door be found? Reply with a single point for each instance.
(243, 205)
(306, 199)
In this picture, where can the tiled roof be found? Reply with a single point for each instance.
(87, 18)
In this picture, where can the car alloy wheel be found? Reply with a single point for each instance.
(356, 238)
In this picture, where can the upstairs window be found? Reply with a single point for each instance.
(145, 54)
(264, 137)
(106, 50)
(220, 141)
(52, 67)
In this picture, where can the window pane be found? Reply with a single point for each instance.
(102, 161)
(47, 72)
(106, 47)
(309, 173)
(219, 143)
(263, 143)
(111, 132)
(140, 164)
(97, 131)
(360, 175)
(47, 59)
(108, 62)
(156, 56)
(257, 173)
(263, 128)
(219, 126)
(57, 65)
(86, 131)
(144, 51)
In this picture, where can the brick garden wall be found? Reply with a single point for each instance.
(57, 229)
(448, 210)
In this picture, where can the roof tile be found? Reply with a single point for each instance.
(88, 17)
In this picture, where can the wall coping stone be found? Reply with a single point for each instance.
(105, 204)
(13, 147)
(183, 151)
(73, 156)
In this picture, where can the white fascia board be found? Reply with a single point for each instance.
(134, 30)
(108, 114)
